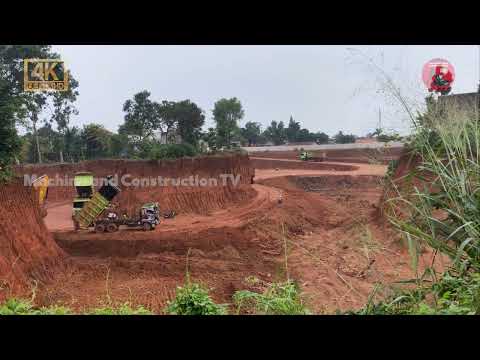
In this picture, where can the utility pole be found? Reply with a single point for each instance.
(478, 89)
(379, 126)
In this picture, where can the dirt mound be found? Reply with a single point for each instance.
(265, 163)
(27, 250)
(163, 181)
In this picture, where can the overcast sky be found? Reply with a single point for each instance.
(325, 88)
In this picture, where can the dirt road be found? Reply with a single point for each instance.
(338, 245)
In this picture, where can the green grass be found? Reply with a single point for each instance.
(278, 299)
(453, 294)
(450, 169)
(15, 306)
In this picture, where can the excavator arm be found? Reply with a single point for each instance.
(40, 186)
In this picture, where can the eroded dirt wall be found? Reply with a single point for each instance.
(197, 198)
(28, 252)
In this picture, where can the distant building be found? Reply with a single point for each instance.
(467, 102)
(366, 140)
(161, 137)
(299, 143)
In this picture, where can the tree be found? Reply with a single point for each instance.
(142, 116)
(341, 138)
(190, 119)
(305, 135)
(210, 137)
(97, 141)
(73, 144)
(16, 106)
(34, 104)
(276, 133)
(251, 132)
(227, 113)
(63, 109)
(321, 138)
(168, 117)
(293, 130)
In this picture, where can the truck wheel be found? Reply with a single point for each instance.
(99, 228)
(112, 228)
(147, 226)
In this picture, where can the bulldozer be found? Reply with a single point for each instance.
(40, 186)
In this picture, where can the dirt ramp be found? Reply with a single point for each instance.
(265, 163)
(364, 156)
(28, 252)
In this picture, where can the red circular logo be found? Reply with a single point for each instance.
(438, 76)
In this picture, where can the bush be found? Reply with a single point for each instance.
(277, 299)
(193, 299)
(454, 294)
(171, 151)
(452, 188)
(25, 307)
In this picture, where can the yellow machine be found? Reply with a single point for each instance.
(41, 188)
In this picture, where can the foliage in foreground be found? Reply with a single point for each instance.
(193, 299)
(454, 294)
(444, 211)
(25, 307)
(277, 299)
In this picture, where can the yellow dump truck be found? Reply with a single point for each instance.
(92, 204)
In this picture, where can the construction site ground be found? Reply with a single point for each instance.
(338, 245)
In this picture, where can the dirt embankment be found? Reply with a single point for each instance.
(162, 181)
(365, 156)
(28, 251)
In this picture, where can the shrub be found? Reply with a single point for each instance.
(454, 294)
(171, 151)
(193, 299)
(277, 299)
(25, 307)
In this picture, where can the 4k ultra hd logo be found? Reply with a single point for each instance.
(44, 75)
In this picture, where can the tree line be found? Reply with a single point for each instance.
(150, 129)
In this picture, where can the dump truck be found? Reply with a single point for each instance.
(148, 219)
(306, 156)
(92, 207)
(40, 185)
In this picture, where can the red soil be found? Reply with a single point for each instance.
(28, 252)
(338, 244)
